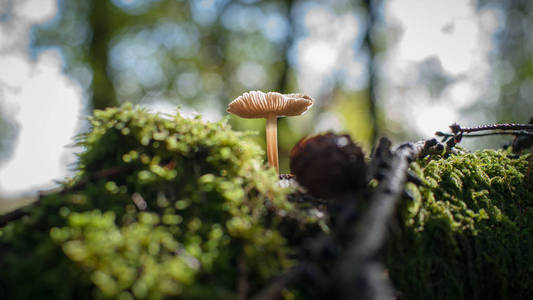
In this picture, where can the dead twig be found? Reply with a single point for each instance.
(358, 272)
(510, 132)
(517, 129)
(506, 126)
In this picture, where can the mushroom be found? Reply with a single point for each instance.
(271, 105)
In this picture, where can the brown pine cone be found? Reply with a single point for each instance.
(328, 165)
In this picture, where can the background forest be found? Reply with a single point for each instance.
(400, 68)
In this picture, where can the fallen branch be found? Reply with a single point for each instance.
(510, 132)
(358, 271)
(353, 271)
(456, 128)
(515, 129)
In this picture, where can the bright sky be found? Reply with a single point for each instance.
(48, 105)
(451, 36)
(328, 49)
(42, 100)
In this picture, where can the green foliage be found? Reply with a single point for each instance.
(353, 112)
(192, 53)
(162, 206)
(468, 233)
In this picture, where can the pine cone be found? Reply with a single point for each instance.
(328, 165)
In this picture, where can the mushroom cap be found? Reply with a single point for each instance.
(257, 104)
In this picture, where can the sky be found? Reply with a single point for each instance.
(45, 104)
(449, 36)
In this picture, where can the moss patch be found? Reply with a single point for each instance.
(468, 232)
(161, 207)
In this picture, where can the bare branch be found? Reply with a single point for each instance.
(358, 269)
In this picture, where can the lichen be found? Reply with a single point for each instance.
(467, 232)
(161, 206)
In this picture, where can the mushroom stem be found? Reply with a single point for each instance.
(272, 140)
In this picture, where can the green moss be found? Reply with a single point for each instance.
(205, 191)
(468, 232)
(166, 207)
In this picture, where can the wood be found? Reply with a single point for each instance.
(344, 264)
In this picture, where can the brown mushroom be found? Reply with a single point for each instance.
(271, 105)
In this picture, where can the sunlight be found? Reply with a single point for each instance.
(319, 56)
(45, 104)
(48, 108)
(439, 62)
(328, 49)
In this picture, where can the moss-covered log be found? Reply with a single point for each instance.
(161, 207)
(468, 231)
(168, 207)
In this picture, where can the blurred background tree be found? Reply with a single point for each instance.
(401, 68)
(197, 54)
(513, 63)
